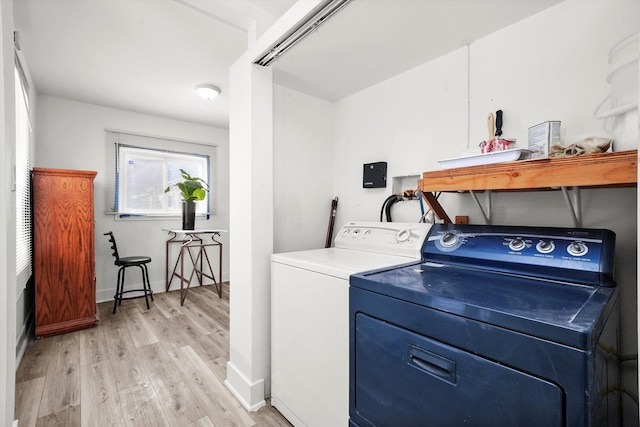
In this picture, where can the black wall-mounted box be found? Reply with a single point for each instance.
(374, 175)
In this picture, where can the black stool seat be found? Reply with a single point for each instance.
(123, 263)
(133, 260)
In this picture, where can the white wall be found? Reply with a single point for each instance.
(71, 135)
(251, 128)
(409, 121)
(551, 66)
(303, 170)
(251, 160)
(419, 117)
(7, 218)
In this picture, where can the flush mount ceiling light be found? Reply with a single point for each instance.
(208, 92)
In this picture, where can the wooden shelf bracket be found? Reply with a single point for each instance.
(435, 206)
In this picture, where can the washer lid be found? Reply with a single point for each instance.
(561, 312)
(340, 263)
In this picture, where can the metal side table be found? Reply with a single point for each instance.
(193, 251)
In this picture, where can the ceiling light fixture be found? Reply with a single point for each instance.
(208, 92)
(306, 26)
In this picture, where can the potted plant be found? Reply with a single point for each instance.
(192, 189)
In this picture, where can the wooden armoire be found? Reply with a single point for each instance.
(64, 252)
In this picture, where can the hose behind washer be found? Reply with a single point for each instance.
(386, 206)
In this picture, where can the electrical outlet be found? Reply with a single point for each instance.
(462, 219)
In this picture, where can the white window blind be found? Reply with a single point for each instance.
(24, 150)
(142, 167)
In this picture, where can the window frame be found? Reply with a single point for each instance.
(157, 146)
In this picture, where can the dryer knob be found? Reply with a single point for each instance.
(545, 246)
(577, 249)
(516, 244)
(449, 239)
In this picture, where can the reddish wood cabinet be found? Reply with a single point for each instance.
(64, 253)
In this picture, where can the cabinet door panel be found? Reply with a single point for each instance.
(64, 250)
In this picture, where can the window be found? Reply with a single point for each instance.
(24, 150)
(143, 175)
(145, 166)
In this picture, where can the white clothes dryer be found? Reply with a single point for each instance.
(310, 317)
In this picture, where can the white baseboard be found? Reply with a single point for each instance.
(104, 295)
(24, 337)
(250, 395)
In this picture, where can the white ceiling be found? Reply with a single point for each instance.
(140, 55)
(147, 55)
(373, 40)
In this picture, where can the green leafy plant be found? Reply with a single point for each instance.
(191, 187)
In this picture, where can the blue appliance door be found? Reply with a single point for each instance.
(395, 367)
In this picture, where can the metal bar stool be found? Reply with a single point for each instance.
(123, 263)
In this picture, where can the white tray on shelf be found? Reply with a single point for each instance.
(486, 158)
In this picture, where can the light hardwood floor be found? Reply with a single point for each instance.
(159, 367)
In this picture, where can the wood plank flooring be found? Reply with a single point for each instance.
(159, 367)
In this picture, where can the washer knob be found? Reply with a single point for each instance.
(449, 239)
(516, 244)
(577, 249)
(403, 235)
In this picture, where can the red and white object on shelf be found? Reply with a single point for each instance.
(495, 142)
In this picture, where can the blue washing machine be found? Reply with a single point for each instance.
(496, 326)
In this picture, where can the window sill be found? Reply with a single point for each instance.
(118, 216)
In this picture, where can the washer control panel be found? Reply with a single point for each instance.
(392, 238)
(548, 252)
